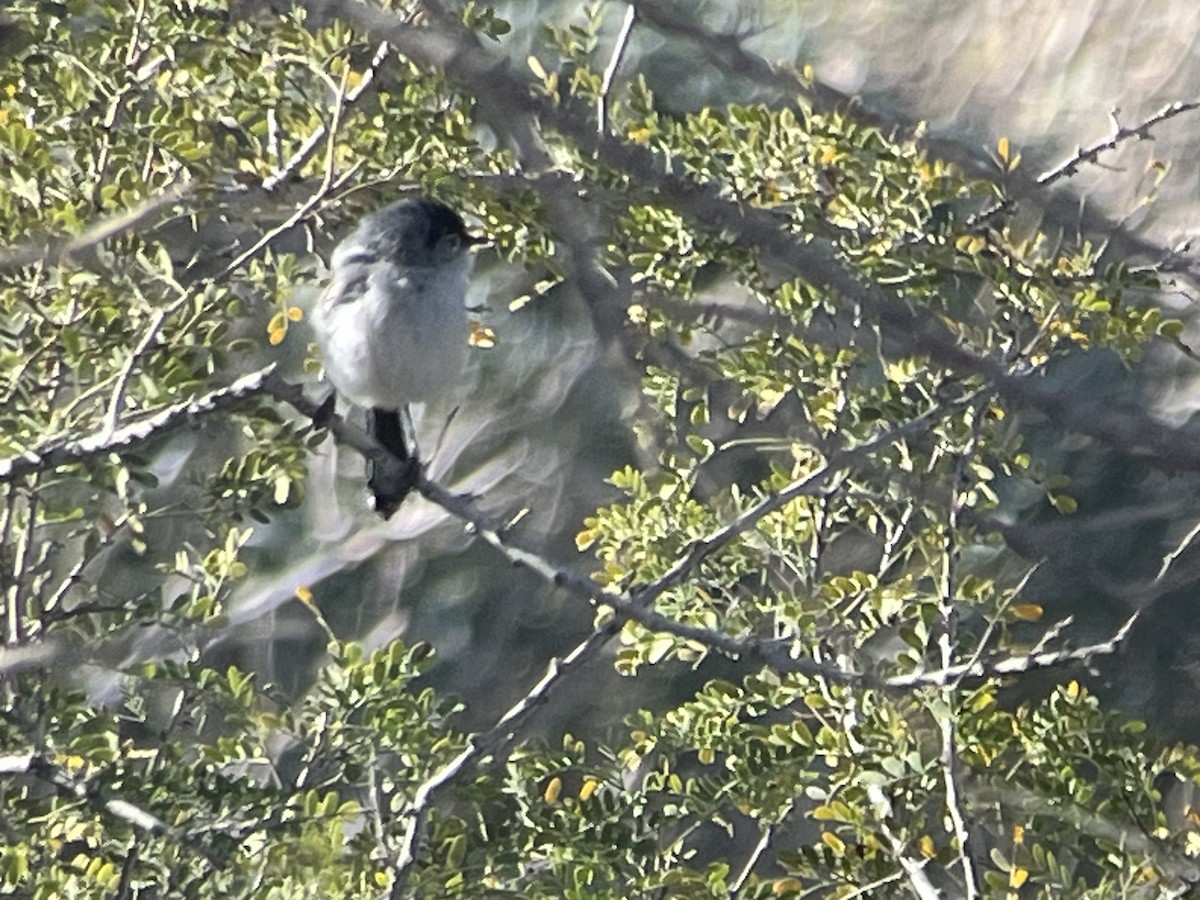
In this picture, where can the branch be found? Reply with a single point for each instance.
(310, 144)
(62, 452)
(494, 742)
(610, 73)
(53, 251)
(1120, 134)
(112, 417)
(39, 767)
(1084, 155)
(1173, 555)
(32, 655)
(635, 605)
(767, 832)
(947, 640)
(1014, 665)
(1026, 803)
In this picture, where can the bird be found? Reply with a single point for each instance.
(392, 325)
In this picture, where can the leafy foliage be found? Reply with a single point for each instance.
(816, 487)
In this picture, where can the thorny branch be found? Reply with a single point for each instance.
(62, 451)
(1090, 154)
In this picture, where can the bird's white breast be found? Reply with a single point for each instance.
(392, 336)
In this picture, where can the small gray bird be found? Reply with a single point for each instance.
(392, 324)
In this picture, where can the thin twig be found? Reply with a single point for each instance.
(1120, 134)
(310, 143)
(947, 641)
(110, 534)
(1170, 558)
(15, 635)
(1015, 665)
(614, 63)
(981, 645)
(492, 742)
(1090, 154)
(119, 100)
(767, 834)
(112, 418)
(867, 890)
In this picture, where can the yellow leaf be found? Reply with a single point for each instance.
(639, 135)
(553, 789)
(970, 244)
(275, 336)
(1027, 612)
(927, 849)
(589, 788)
(535, 66)
(833, 842)
(1018, 876)
(481, 336)
(1073, 690)
(786, 886)
(1064, 503)
(304, 594)
(295, 313)
(1002, 148)
(1018, 834)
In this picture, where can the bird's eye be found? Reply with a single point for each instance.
(450, 243)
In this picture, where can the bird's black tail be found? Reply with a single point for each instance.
(390, 483)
